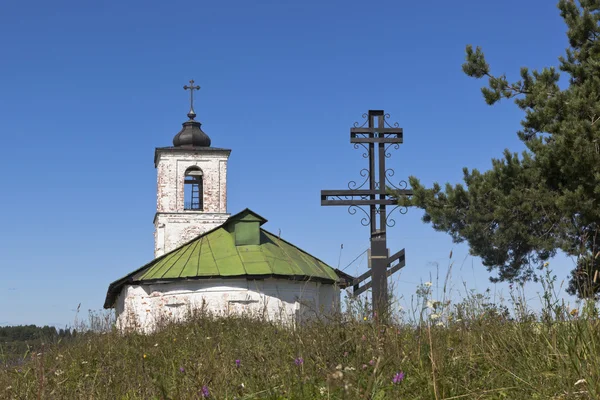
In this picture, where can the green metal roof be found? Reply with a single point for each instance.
(215, 254)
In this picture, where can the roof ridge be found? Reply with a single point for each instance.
(212, 254)
(296, 247)
(188, 260)
(178, 258)
(199, 253)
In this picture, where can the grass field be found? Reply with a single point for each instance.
(473, 349)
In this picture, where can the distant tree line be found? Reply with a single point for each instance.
(16, 341)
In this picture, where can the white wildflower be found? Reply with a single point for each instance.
(440, 323)
(59, 372)
(349, 369)
(434, 316)
(156, 345)
(430, 304)
(339, 367)
(337, 375)
(428, 284)
(323, 390)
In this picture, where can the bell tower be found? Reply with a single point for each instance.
(191, 185)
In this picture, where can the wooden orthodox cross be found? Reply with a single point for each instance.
(377, 198)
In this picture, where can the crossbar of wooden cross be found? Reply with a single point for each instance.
(358, 290)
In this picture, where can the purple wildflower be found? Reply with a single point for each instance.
(372, 362)
(205, 392)
(399, 377)
(181, 369)
(299, 361)
(238, 363)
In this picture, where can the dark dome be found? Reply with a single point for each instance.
(191, 135)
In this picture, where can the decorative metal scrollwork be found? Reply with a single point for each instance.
(366, 153)
(396, 147)
(365, 116)
(352, 185)
(385, 118)
(365, 221)
(390, 222)
(402, 185)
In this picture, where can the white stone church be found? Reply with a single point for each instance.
(207, 259)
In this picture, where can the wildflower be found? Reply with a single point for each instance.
(238, 363)
(84, 362)
(427, 284)
(145, 356)
(181, 369)
(364, 366)
(434, 316)
(59, 372)
(345, 354)
(372, 362)
(337, 375)
(299, 361)
(323, 390)
(546, 264)
(440, 323)
(349, 369)
(155, 344)
(574, 312)
(365, 318)
(398, 377)
(205, 393)
(363, 338)
(430, 305)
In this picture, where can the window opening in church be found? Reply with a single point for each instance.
(193, 190)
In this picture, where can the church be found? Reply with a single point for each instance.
(207, 259)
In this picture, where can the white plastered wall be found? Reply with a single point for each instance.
(144, 307)
(173, 224)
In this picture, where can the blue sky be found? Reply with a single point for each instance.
(89, 89)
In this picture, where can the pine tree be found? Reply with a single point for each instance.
(518, 214)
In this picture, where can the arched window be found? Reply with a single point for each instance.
(193, 190)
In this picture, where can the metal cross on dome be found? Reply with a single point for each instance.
(191, 88)
(376, 141)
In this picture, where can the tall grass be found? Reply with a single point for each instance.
(471, 349)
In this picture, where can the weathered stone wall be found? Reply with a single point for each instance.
(173, 224)
(144, 307)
